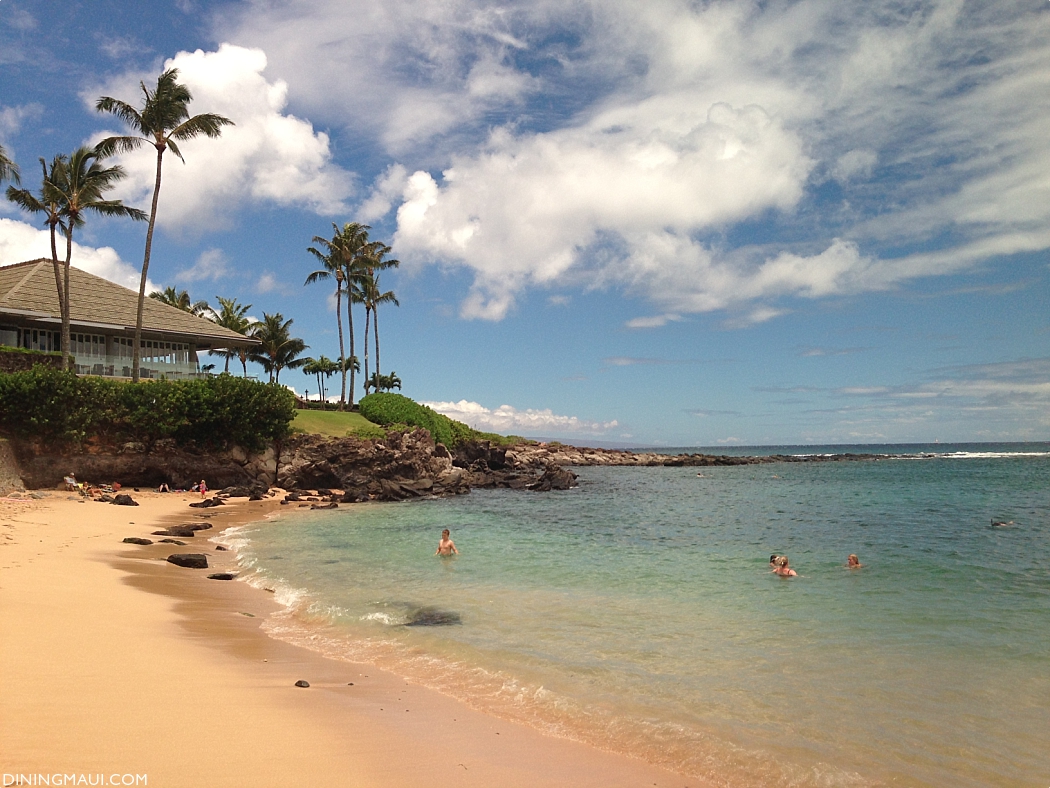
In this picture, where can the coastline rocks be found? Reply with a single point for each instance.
(302, 683)
(137, 540)
(186, 530)
(124, 500)
(222, 576)
(189, 560)
(171, 541)
(42, 466)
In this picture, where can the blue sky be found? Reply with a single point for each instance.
(663, 223)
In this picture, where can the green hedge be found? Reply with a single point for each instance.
(216, 412)
(389, 410)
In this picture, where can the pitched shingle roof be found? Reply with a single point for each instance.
(28, 290)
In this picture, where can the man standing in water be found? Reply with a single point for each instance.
(446, 546)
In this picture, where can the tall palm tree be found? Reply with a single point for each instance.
(49, 204)
(180, 299)
(163, 121)
(234, 316)
(80, 186)
(375, 260)
(332, 267)
(341, 260)
(278, 349)
(8, 169)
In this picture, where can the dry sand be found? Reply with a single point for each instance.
(115, 662)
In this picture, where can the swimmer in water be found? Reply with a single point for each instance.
(782, 569)
(773, 561)
(446, 546)
(853, 562)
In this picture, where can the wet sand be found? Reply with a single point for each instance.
(115, 662)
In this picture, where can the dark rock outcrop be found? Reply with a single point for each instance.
(207, 503)
(222, 576)
(554, 478)
(137, 540)
(189, 560)
(172, 541)
(302, 683)
(43, 468)
(124, 500)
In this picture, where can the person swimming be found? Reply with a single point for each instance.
(853, 562)
(782, 569)
(446, 546)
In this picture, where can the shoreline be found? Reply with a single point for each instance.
(183, 684)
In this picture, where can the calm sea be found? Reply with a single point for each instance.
(636, 612)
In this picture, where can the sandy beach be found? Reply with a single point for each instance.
(114, 662)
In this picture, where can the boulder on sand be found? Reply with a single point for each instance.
(189, 560)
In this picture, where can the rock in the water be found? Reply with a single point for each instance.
(220, 548)
(222, 576)
(432, 617)
(554, 478)
(324, 506)
(302, 683)
(137, 540)
(189, 560)
(124, 499)
(172, 541)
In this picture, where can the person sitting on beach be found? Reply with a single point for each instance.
(782, 569)
(446, 546)
(853, 562)
(164, 487)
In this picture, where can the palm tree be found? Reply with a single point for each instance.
(180, 299)
(332, 267)
(278, 349)
(373, 259)
(386, 382)
(340, 260)
(164, 121)
(8, 169)
(322, 366)
(79, 186)
(49, 204)
(233, 315)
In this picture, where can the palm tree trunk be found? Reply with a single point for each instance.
(58, 279)
(350, 321)
(244, 363)
(137, 344)
(367, 317)
(375, 330)
(342, 355)
(66, 361)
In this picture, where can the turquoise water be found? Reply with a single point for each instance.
(637, 613)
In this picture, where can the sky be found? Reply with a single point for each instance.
(639, 223)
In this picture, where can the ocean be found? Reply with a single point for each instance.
(637, 612)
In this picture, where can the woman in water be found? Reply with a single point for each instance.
(446, 546)
(781, 567)
(853, 562)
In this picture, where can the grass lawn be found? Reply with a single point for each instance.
(335, 424)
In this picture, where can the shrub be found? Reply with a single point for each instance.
(218, 412)
(392, 409)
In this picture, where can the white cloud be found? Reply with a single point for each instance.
(388, 187)
(402, 72)
(20, 242)
(507, 419)
(268, 156)
(632, 138)
(211, 266)
(267, 283)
